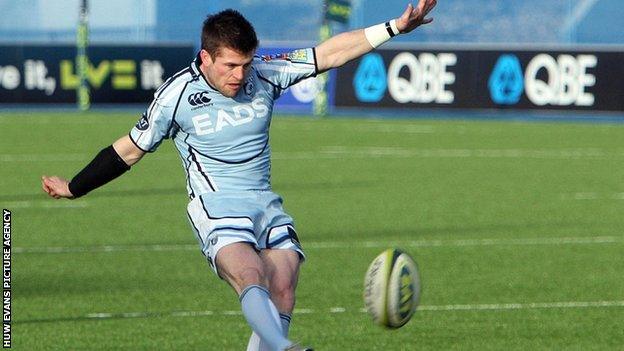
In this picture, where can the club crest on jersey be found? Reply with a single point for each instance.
(143, 123)
(249, 87)
(300, 56)
(198, 100)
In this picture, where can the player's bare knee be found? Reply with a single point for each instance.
(251, 276)
(283, 292)
(285, 299)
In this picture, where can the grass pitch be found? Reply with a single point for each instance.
(517, 229)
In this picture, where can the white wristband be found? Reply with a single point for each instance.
(381, 33)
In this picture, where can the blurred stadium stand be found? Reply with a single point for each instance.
(457, 21)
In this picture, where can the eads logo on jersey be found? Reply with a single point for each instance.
(199, 100)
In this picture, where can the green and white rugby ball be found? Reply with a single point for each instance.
(392, 288)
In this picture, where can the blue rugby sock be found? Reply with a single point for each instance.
(255, 342)
(285, 320)
(260, 313)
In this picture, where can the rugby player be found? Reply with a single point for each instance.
(217, 111)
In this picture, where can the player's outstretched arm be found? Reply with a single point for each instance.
(56, 187)
(345, 47)
(107, 165)
(128, 151)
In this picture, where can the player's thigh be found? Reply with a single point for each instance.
(240, 265)
(220, 220)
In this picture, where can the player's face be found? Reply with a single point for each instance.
(227, 70)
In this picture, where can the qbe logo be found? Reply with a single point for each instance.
(560, 81)
(370, 81)
(409, 79)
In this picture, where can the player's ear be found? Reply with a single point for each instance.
(206, 57)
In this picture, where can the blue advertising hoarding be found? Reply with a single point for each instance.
(524, 79)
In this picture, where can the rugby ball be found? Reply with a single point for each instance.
(392, 288)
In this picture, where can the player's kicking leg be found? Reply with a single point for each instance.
(244, 270)
(282, 271)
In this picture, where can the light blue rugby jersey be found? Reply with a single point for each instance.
(223, 142)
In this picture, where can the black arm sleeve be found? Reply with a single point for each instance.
(106, 166)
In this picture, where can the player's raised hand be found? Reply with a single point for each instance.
(415, 16)
(56, 187)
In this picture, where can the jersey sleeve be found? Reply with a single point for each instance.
(285, 70)
(155, 125)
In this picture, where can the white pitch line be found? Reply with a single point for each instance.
(592, 196)
(42, 157)
(373, 127)
(341, 152)
(524, 306)
(424, 308)
(468, 153)
(393, 128)
(585, 196)
(467, 242)
(106, 248)
(232, 313)
(192, 313)
(345, 245)
(47, 203)
(100, 315)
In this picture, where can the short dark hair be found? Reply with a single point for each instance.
(229, 29)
